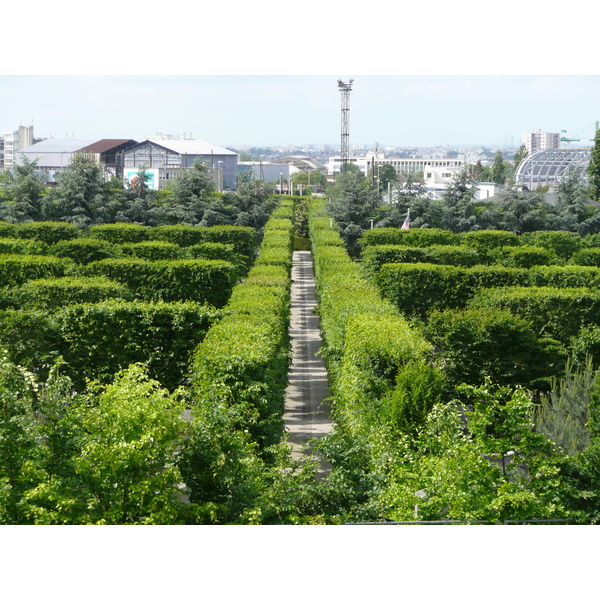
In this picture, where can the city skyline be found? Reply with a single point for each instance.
(271, 110)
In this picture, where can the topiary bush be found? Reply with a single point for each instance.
(84, 250)
(120, 233)
(16, 269)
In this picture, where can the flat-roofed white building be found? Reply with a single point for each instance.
(539, 140)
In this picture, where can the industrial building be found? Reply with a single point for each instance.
(53, 155)
(163, 159)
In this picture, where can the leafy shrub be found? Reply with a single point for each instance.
(561, 244)
(181, 235)
(375, 256)
(8, 230)
(558, 313)
(98, 340)
(478, 343)
(120, 233)
(565, 276)
(522, 257)
(418, 288)
(16, 269)
(48, 232)
(84, 250)
(54, 293)
(154, 250)
(172, 281)
(589, 257)
(18, 246)
(408, 237)
(487, 240)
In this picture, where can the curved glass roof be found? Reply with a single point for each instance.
(548, 166)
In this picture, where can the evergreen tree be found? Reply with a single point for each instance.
(594, 169)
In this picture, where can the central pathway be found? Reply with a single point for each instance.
(306, 414)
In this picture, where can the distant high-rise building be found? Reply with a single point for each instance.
(12, 142)
(539, 140)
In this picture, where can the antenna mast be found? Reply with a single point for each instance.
(345, 89)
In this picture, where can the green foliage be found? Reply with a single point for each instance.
(154, 250)
(16, 269)
(98, 340)
(562, 244)
(17, 246)
(55, 292)
(48, 232)
(589, 257)
(522, 257)
(558, 313)
(198, 280)
(411, 237)
(120, 233)
(476, 344)
(485, 241)
(84, 250)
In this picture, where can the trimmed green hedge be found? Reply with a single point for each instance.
(416, 289)
(16, 269)
(55, 292)
(198, 280)
(49, 232)
(243, 362)
(120, 233)
(154, 250)
(558, 313)
(375, 256)
(84, 250)
(378, 373)
(408, 237)
(98, 340)
(18, 246)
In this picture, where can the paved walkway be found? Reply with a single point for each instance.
(306, 414)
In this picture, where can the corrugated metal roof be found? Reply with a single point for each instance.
(191, 147)
(54, 145)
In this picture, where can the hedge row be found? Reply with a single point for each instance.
(98, 340)
(204, 281)
(560, 246)
(244, 239)
(376, 362)
(416, 289)
(243, 362)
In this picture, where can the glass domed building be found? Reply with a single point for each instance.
(546, 167)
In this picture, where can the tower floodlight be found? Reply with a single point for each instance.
(345, 89)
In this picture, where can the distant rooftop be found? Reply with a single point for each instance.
(191, 146)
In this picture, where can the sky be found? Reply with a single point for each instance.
(265, 73)
(269, 110)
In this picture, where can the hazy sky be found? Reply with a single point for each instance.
(269, 110)
(265, 73)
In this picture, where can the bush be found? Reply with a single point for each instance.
(48, 232)
(477, 343)
(589, 257)
(487, 240)
(120, 233)
(558, 313)
(99, 340)
(408, 237)
(53, 293)
(565, 276)
(84, 250)
(522, 257)
(154, 250)
(561, 244)
(172, 281)
(16, 269)
(17, 246)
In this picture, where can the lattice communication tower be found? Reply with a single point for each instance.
(345, 89)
